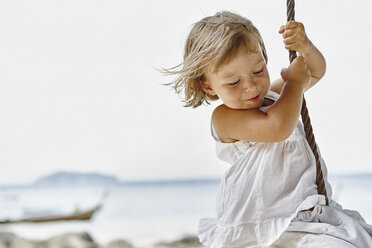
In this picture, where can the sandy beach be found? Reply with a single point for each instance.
(85, 240)
(137, 216)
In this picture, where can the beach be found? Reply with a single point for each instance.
(85, 240)
(140, 215)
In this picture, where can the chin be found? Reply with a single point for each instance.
(234, 106)
(246, 107)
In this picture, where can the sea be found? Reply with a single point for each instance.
(144, 212)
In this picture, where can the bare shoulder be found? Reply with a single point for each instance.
(277, 85)
(220, 122)
(241, 124)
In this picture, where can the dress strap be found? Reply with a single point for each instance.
(272, 95)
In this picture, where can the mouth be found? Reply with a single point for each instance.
(254, 99)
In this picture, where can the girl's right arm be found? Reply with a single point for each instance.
(279, 120)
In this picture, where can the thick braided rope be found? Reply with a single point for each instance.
(306, 119)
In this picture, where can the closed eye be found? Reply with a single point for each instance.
(258, 72)
(234, 83)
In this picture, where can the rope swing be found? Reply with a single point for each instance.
(306, 119)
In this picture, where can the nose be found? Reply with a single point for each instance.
(249, 85)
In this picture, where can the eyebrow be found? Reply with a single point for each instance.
(231, 74)
(228, 75)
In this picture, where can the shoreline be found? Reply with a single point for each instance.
(86, 240)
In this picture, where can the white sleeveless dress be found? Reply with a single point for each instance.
(262, 193)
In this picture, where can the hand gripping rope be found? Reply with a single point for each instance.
(306, 119)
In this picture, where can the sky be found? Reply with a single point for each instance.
(80, 88)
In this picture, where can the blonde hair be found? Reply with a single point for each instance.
(212, 41)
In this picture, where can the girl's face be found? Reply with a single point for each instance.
(241, 83)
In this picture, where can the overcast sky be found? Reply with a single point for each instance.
(79, 89)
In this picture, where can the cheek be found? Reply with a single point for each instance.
(229, 94)
(265, 82)
(235, 94)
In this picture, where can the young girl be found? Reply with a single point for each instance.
(268, 197)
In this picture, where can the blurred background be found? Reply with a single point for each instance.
(80, 92)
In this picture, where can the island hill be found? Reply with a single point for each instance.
(64, 178)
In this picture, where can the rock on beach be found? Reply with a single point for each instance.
(85, 240)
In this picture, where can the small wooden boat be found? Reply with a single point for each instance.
(77, 216)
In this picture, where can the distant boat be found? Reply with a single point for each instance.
(79, 216)
(76, 215)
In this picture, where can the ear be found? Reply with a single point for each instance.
(208, 88)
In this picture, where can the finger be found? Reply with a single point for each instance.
(281, 29)
(300, 25)
(292, 47)
(291, 24)
(290, 40)
(288, 33)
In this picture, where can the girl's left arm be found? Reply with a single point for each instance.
(295, 39)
